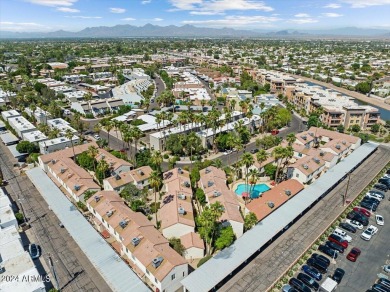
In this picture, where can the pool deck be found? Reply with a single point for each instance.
(234, 186)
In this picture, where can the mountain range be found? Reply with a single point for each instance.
(149, 30)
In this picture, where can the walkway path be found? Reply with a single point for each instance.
(264, 270)
(357, 95)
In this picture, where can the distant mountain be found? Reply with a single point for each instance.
(147, 30)
(189, 31)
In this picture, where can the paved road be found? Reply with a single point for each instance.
(73, 269)
(160, 86)
(260, 273)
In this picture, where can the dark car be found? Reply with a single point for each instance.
(335, 246)
(354, 254)
(368, 205)
(381, 187)
(320, 266)
(328, 251)
(358, 217)
(371, 200)
(379, 288)
(253, 151)
(384, 282)
(312, 272)
(309, 281)
(338, 240)
(384, 181)
(297, 284)
(347, 227)
(321, 258)
(338, 275)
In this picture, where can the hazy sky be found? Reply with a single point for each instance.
(73, 15)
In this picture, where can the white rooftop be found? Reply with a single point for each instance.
(8, 234)
(10, 114)
(56, 141)
(21, 124)
(6, 214)
(34, 136)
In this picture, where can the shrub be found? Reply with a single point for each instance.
(19, 217)
(165, 156)
(203, 260)
(154, 207)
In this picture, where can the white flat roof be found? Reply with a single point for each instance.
(23, 286)
(6, 214)
(34, 136)
(59, 140)
(21, 123)
(8, 234)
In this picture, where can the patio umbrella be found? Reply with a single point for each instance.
(245, 195)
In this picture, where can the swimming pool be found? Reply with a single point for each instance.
(255, 192)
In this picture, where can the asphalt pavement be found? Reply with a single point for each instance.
(74, 271)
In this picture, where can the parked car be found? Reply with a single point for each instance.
(379, 220)
(381, 187)
(354, 223)
(384, 181)
(386, 268)
(379, 288)
(384, 282)
(253, 151)
(377, 193)
(338, 240)
(335, 246)
(319, 265)
(328, 251)
(372, 199)
(97, 137)
(274, 132)
(34, 251)
(365, 212)
(227, 152)
(369, 232)
(342, 234)
(348, 227)
(288, 288)
(319, 257)
(354, 254)
(369, 206)
(358, 217)
(309, 281)
(297, 284)
(313, 272)
(338, 275)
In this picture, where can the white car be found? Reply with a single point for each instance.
(379, 220)
(227, 152)
(355, 223)
(369, 232)
(97, 137)
(373, 195)
(342, 234)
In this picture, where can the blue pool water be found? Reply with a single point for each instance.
(255, 192)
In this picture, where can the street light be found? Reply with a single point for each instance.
(346, 190)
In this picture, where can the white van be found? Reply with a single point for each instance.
(342, 234)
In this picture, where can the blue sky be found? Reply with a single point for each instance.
(73, 15)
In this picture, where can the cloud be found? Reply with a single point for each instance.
(117, 10)
(332, 15)
(146, 1)
(67, 9)
(206, 13)
(366, 3)
(235, 21)
(156, 19)
(302, 15)
(332, 6)
(303, 20)
(219, 6)
(22, 26)
(128, 19)
(53, 3)
(85, 17)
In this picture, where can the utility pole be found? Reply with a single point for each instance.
(54, 273)
(346, 190)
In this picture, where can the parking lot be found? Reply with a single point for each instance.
(375, 253)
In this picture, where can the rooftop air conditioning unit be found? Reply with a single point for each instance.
(181, 210)
(97, 198)
(216, 194)
(338, 146)
(316, 160)
(62, 170)
(109, 213)
(135, 241)
(187, 184)
(181, 196)
(77, 187)
(179, 170)
(156, 262)
(207, 170)
(117, 177)
(210, 183)
(322, 153)
(53, 161)
(305, 166)
(123, 223)
(271, 205)
(304, 137)
(344, 142)
(287, 192)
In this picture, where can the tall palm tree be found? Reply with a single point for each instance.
(155, 182)
(103, 167)
(247, 161)
(288, 154)
(128, 139)
(54, 133)
(261, 156)
(69, 135)
(109, 125)
(156, 159)
(136, 133)
(253, 175)
(278, 154)
(291, 138)
(92, 152)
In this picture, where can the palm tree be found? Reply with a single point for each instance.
(288, 154)
(117, 125)
(54, 133)
(109, 125)
(247, 161)
(69, 135)
(261, 156)
(254, 175)
(92, 152)
(155, 182)
(97, 128)
(278, 154)
(156, 159)
(136, 133)
(128, 139)
(103, 167)
(291, 138)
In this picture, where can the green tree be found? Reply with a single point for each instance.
(363, 87)
(208, 224)
(355, 128)
(225, 237)
(195, 176)
(27, 147)
(270, 170)
(200, 196)
(340, 129)
(261, 156)
(155, 182)
(86, 161)
(247, 160)
(130, 193)
(375, 128)
(250, 220)
(176, 244)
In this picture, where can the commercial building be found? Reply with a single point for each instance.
(142, 246)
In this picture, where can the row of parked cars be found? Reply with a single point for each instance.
(339, 240)
(381, 285)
